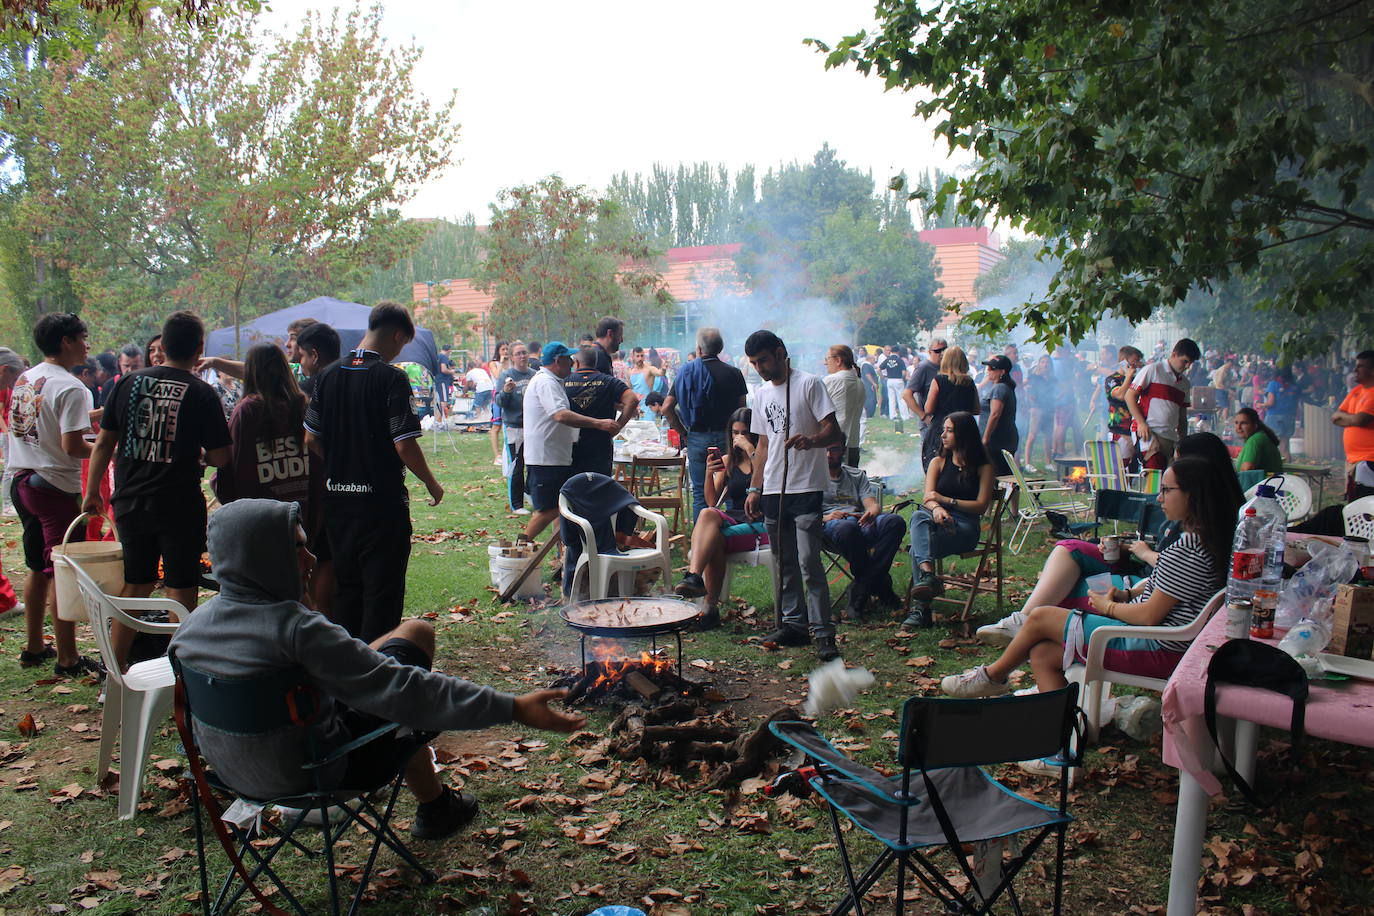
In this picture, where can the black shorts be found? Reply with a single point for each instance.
(176, 538)
(542, 483)
(375, 763)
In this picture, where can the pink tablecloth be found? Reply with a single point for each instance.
(1337, 710)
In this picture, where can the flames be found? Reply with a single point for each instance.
(1077, 475)
(616, 663)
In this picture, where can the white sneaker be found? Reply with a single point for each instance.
(521, 511)
(973, 683)
(1003, 631)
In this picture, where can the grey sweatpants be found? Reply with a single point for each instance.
(794, 538)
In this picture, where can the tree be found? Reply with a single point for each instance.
(880, 273)
(448, 249)
(1158, 148)
(698, 204)
(171, 165)
(559, 257)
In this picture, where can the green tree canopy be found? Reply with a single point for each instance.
(225, 170)
(447, 250)
(696, 204)
(558, 257)
(1158, 147)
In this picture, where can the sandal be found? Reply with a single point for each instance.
(84, 664)
(33, 659)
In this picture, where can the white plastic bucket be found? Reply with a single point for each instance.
(103, 561)
(503, 569)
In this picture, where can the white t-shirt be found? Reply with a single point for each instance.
(1163, 397)
(48, 401)
(806, 471)
(479, 379)
(847, 394)
(547, 442)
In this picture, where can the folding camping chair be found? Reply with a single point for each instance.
(255, 706)
(1106, 470)
(1041, 499)
(942, 797)
(988, 553)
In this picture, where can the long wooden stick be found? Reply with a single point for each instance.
(535, 562)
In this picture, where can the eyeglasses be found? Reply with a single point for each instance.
(1167, 489)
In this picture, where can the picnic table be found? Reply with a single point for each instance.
(1336, 710)
(1316, 476)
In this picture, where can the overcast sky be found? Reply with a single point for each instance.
(589, 90)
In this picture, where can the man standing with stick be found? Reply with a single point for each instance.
(792, 414)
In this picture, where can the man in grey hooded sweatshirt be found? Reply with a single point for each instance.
(257, 625)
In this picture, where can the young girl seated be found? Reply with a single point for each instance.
(1188, 573)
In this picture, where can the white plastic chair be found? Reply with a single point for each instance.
(1359, 518)
(743, 558)
(1295, 495)
(1098, 678)
(595, 569)
(135, 700)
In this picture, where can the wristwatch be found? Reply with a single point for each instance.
(753, 490)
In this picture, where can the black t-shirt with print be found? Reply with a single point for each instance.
(165, 417)
(892, 366)
(360, 409)
(594, 394)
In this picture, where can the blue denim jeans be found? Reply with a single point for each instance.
(930, 541)
(868, 549)
(697, 444)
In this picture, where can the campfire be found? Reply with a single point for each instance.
(1077, 478)
(612, 675)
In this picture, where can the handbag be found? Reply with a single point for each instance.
(1250, 663)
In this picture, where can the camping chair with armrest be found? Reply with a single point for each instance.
(1041, 499)
(1106, 470)
(837, 567)
(942, 798)
(987, 553)
(280, 700)
(1098, 678)
(136, 700)
(1359, 518)
(1150, 480)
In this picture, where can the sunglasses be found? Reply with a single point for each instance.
(939, 351)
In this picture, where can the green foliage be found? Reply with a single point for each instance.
(817, 230)
(448, 249)
(1159, 147)
(225, 171)
(697, 204)
(558, 258)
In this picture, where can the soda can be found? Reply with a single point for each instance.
(1111, 549)
(1262, 614)
(1238, 618)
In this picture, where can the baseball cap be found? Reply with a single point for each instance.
(552, 350)
(998, 362)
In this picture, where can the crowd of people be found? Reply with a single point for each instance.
(310, 448)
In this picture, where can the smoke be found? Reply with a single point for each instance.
(901, 470)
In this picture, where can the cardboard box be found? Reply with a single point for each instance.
(1352, 633)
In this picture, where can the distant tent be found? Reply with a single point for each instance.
(348, 318)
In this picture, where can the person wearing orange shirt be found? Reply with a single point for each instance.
(1356, 417)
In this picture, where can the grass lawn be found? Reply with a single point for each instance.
(562, 832)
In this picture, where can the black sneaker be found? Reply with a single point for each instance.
(926, 586)
(84, 665)
(444, 816)
(691, 586)
(853, 614)
(888, 600)
(710, 620)
(787, 636)
(29, 659)
(826, 650)
(918, 619)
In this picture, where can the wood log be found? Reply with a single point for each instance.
(679, 733)
(642, 685)
(753, 749)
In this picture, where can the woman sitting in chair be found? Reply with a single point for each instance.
(1189, 571)
(721, 532)
(959, 488)
(1063, 581)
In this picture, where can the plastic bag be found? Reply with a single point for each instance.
(1310, 635)
(1331, 564)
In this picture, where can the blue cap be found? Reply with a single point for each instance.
(552, 350)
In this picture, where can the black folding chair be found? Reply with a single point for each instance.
(943, 798)
(257, 706)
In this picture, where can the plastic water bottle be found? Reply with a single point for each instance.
(1275, 524)
(1247, 557)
